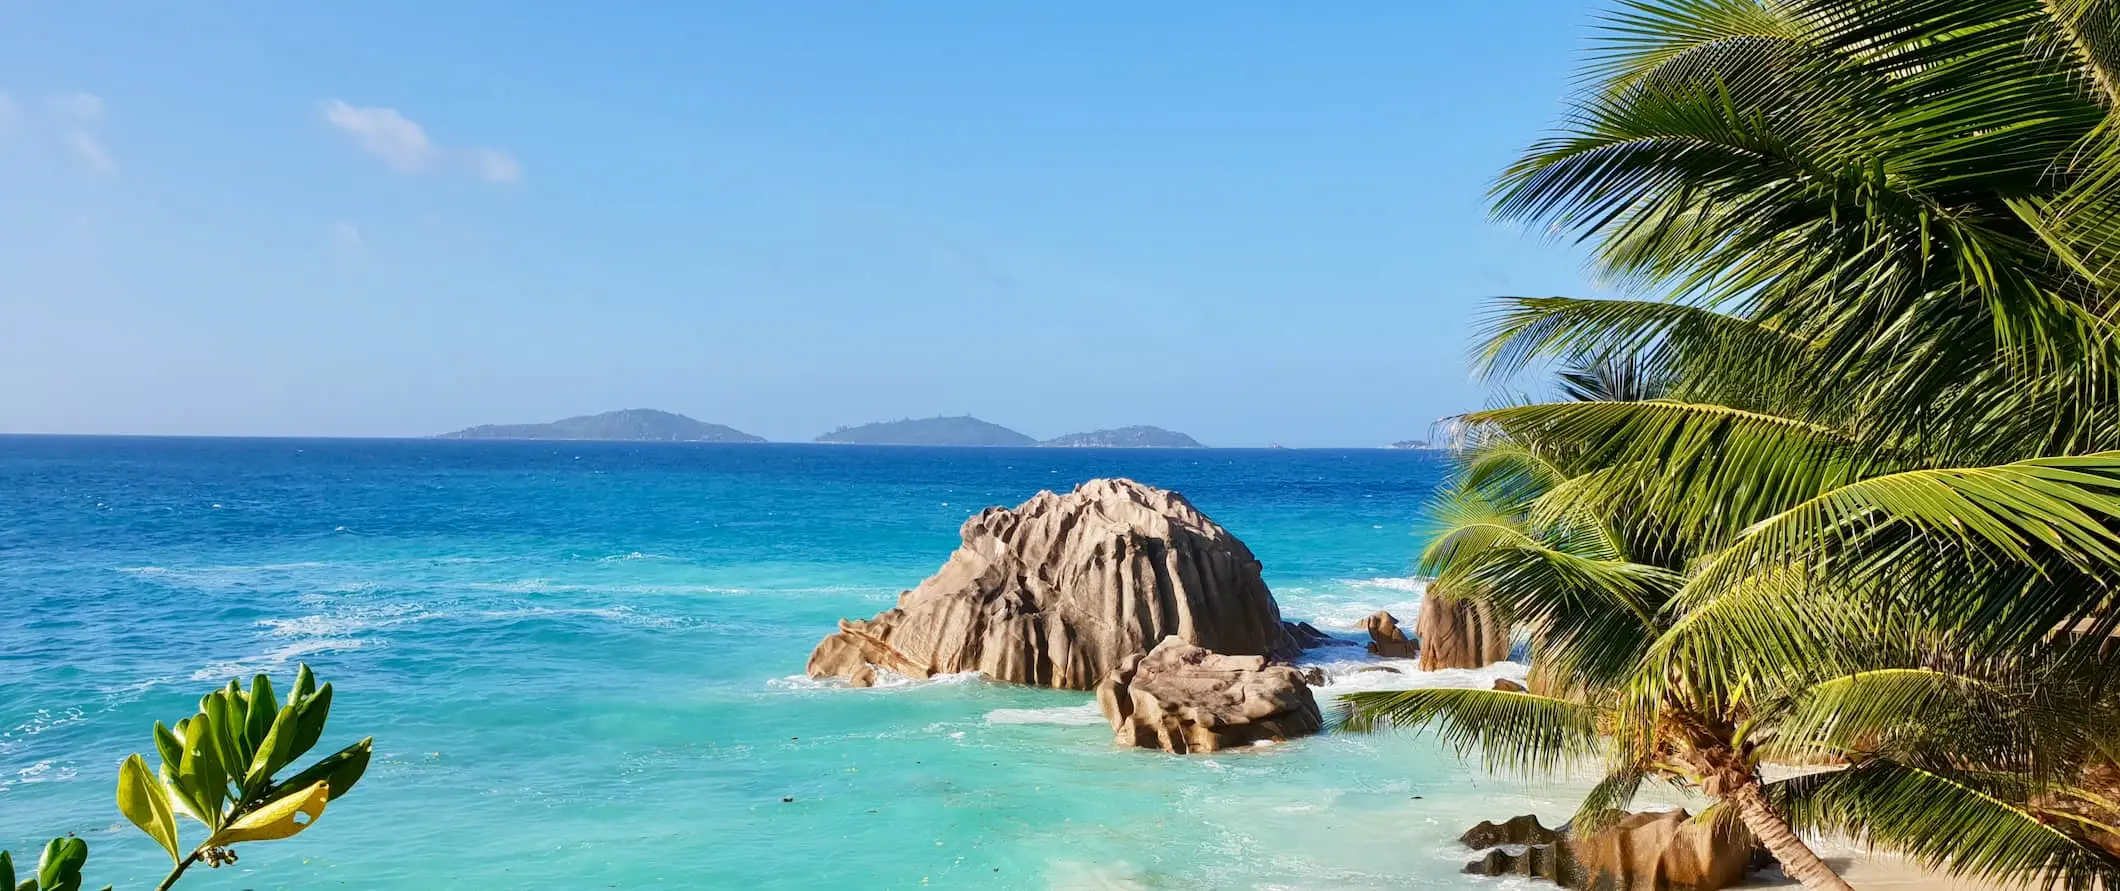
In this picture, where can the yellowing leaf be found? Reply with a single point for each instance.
(280, 819)
(144, 801)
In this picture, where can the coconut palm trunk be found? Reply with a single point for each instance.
(1798, 861)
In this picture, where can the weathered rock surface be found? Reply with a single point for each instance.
(1183, 699)
(1666, 851)
(1553, 862)
(1523, 829)
(1637, 852)
(1457, 633)
(1385, 638)
(1305, 637)
(1059, 590)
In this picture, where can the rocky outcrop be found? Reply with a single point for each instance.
(1303, 636)
(1457, 633)
(1523, 829)
(1183, 699)
(1385, 638)
(1058, 591)
(1666, 851)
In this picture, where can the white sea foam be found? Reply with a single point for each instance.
(45, 771)
(274, 659)
(1085, 715)
(1344, 677)
(347, 622)
(1408, 585)
(1344, 603)
(886, 679)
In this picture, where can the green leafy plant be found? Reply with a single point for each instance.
(58, 870)
(219, 768)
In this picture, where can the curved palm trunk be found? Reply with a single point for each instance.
(1797, 859)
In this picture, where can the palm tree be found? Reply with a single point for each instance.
(1958, 761)
(1876, 243)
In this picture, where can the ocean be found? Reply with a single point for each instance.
(582, 665)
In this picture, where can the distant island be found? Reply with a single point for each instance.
(1136, 437)
(1411, 444)
(959, 431)
(630, 425)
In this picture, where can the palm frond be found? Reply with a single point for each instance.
(1954, 823)
(1517, 732)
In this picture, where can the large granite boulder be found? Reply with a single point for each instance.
(1667, 851)
(1183, 699)
(1059, 590)
(1456, 633)
(1385, 638)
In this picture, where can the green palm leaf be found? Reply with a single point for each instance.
(1954, 823)
(1512, 731)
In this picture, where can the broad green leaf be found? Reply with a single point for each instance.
(180, 798)
(142, 800)
(340, 769)
(277, 736)
(278, 819)
(263, 711)
(60, 867)
(305, 684)
(311, 714)
(7, 870)
(169, 745)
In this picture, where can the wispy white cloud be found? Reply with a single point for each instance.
(76, 117)
(347, 235)
(496, 166)
(91, 152)
(82, 108)
(404, 146)
(401, 142)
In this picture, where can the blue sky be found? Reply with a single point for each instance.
(1254, 222)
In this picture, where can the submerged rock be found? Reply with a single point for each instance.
(1059, 590)
(1182, 699)
(1385, 638)
(1459, 634)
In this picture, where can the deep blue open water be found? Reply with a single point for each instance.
(581, 663)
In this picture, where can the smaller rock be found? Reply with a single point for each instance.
(1508, 686)
(1458, 633)
(1382, 668)
(1181, 698)
(1385, 638)
(1312, 675)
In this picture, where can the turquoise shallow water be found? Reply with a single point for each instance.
(581, 665)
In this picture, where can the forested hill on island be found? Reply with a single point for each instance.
(1136, 437)
(633, 424)
(970, 431)
(959, 431)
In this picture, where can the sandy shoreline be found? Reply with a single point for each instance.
(1885, 872)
